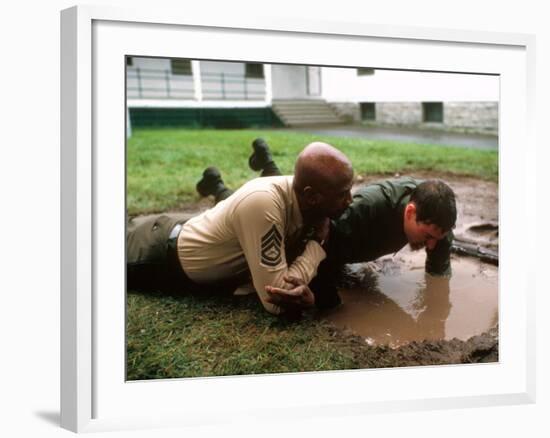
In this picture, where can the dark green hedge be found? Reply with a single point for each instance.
(226, 118)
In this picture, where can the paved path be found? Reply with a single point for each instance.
(411, 135)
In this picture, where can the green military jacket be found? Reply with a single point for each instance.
(371, 227)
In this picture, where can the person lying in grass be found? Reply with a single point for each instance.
(383, 218)
(249, 235)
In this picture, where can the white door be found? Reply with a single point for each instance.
(295, 81)
(313, 81)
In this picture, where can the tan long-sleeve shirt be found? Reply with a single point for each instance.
(248, 232)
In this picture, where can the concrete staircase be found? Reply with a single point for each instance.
(305, 112)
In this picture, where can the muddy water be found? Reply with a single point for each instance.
(393, 302)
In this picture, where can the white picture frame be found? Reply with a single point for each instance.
(94, 395)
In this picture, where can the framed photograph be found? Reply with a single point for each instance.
(125, 71)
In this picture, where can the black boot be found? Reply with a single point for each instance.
(261, 155)
(261, 159)
(208, 184)
(222, 193)
(211, 183)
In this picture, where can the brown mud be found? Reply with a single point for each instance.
(408, 317)
(393, 302)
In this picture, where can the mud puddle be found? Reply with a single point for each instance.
(393, 301)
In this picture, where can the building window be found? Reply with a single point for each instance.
(129, 61)
(368, 111)
(254, 71)
(363, 71)
(432, 112)
(181, 67)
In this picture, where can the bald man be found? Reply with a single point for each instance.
(382, 218)
(245, 237)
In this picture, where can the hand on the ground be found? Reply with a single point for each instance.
(298, 296)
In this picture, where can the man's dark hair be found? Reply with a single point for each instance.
(435, 204)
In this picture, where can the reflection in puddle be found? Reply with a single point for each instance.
(400, 303)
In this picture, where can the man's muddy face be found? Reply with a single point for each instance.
(420, 234)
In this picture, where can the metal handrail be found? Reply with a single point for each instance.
(168, 85)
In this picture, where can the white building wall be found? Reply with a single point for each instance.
(344, 85)
(218, 80)
(221, 81)
(399, 113)
(477, 116)
(289, 81)
(153, 63)
(235, 68)
(226, 81)
(152, 78)
(470, 102)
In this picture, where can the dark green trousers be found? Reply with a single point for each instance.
(150, 263)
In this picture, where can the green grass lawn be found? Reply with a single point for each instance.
(189, 337)
(163, 165)
(183, 336)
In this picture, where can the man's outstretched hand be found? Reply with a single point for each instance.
(298, 297)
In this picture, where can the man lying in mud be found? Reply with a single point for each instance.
(246, 237)
(382, 218)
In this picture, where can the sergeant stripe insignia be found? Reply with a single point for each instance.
(271, 247)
